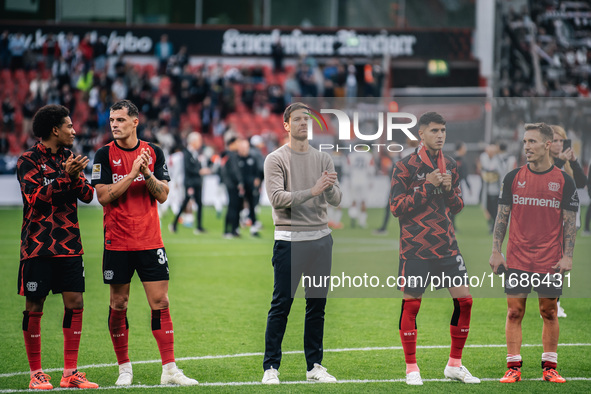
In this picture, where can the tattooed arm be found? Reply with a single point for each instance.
(569, 234)
(157, 188)
(502, 221)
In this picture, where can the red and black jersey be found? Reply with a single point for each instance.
(537, 200)
(131, 222)
(50, 204)
(423, 210)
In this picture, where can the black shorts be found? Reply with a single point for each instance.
(39, 275)
(521, 282)
(118, 266)
(418, 274)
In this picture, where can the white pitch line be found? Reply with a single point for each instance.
(234, 384)
(260, 354)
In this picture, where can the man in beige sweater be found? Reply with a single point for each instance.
(300, 183)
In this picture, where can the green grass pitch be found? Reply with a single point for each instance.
(220, 291)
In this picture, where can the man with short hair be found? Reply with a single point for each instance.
(130, 177)
(300, 183)
(52, 180)
(425, 191)
(542, 202)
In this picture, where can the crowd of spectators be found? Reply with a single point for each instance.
(546, 50)
(175, 94)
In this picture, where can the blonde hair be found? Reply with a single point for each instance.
(560, 131)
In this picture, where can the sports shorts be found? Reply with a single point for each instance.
(39, 275)
(522, 282)
(418, 273)
(119, 266)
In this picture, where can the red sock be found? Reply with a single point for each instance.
(119, 329)
(72, 329)
(164, 334)
(32, 334)
(460, 326)
(408, 329)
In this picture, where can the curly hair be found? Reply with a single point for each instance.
(48, 118)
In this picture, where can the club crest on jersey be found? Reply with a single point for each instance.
(96, 171)
(521, 185)
(116, 163)
(553, 186)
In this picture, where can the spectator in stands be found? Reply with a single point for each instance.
(68, 47)
(85, 52)
(8, 114)
(4, 50)
(28, 110)
(99, 48)
(50, 51)
(163, 51)
(277, 54)
(61, 71)
(17, 46)
(38, 89)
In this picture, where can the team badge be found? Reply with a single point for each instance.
(553, 186)
(109, 274)
(32, 286)
(96, 171)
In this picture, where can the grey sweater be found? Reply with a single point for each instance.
(289, 178)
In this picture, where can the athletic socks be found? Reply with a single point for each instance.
(32, 335)
(514, 361)
(72, 329)
(119, 330)
(549, 360)
(164, 334)
(459, 328)
(408, 331)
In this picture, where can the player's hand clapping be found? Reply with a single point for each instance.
(325, 182)
(74, 165)
(435, 178)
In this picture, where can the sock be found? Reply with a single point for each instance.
(514, 361)
(549, 360)
(164, 334)
(119, 330)
(459, 327)
(408, 329)
(32, 334)
(72, 329)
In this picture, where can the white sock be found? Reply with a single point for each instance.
(513, 358)
(125, 367)
(550, 357)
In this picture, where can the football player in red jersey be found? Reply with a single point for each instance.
(425, 192)
(542, 202)
(130, 176)
(52, 181)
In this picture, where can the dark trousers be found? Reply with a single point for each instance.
(290, 261)
(196, 196)
(252, 199)
(233, 213)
